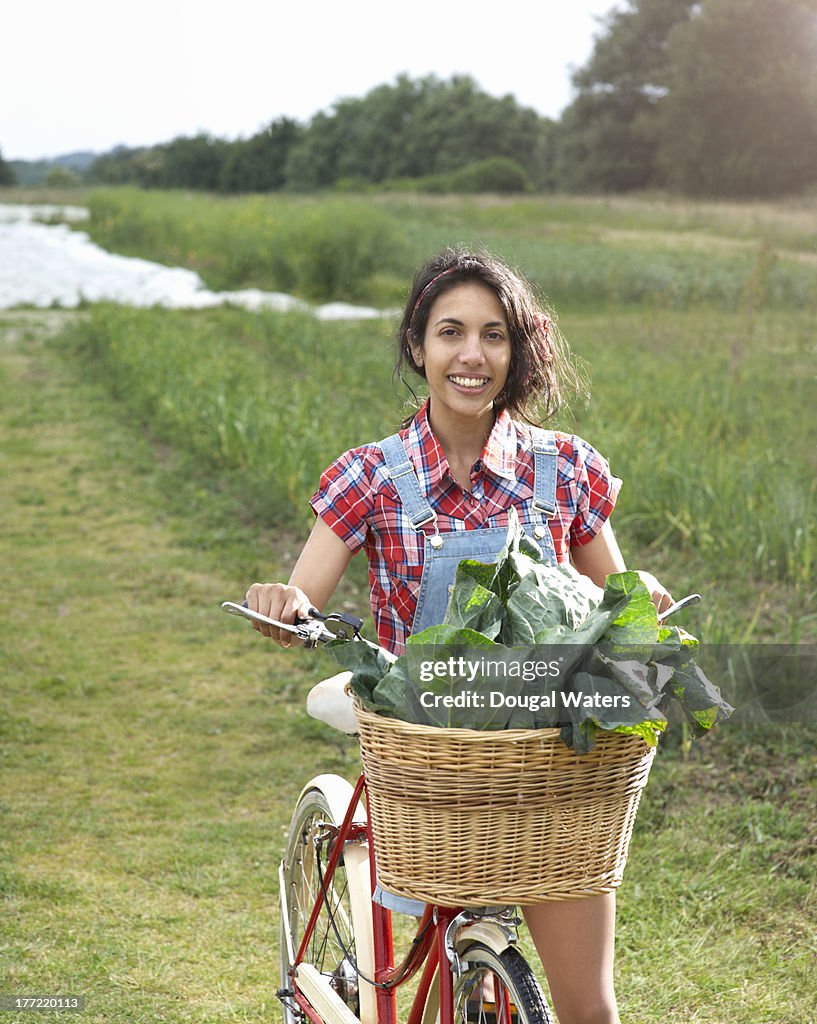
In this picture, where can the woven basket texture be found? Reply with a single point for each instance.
(467, 818)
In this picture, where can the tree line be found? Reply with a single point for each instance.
(699, 97)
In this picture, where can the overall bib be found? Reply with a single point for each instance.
(444, 551)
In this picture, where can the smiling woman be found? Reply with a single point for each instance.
(444, 489)
(464, 356)
(539, 369)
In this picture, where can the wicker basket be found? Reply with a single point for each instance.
(469, 818)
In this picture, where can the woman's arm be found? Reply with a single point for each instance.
(602, 555)
(317, 572)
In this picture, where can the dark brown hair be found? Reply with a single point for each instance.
(540, 371)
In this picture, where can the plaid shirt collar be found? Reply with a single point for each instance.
(428, 458)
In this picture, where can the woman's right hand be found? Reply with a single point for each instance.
(278, 601)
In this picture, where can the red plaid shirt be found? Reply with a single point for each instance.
(359, 502)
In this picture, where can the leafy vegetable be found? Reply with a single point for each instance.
(525, 644)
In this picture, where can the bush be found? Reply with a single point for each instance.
(495, 174)
(333, 249)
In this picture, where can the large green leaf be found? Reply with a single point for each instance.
(601, 702)
(367, 665)
(547, 597)
(637, 621)
(474, 606)
(452, 696)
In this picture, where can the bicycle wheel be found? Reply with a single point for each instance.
(516, 997)
(332, 949)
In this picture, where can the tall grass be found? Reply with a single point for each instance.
(262, 398)
(702, 415)
(580, 252)
(336, 250)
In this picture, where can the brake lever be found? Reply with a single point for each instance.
(343, 619)
(312, 630)
(312, 633)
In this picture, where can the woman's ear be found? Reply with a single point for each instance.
(416, 350)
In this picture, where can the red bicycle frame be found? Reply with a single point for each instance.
(428, 948)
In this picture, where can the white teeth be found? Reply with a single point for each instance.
(469, 382)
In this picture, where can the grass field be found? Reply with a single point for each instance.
(582, 252)
(152, 748)
(684, 402)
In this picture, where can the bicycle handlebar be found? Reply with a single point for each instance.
(313, 630)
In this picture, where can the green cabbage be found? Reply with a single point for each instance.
(622, 668)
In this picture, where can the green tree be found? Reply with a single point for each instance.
(196, 162)
(740, 118)
(7, 175)
(413, 129)
(359, 139)
(258, 164)
(606, 139)
(117, 167)
(371, 132)
(457, 124)
(60, 177)
(313, 162)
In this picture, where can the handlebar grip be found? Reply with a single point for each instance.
(685, 602)
(313, 614)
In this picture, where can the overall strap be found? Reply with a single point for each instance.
(401, 472)
(545, 457)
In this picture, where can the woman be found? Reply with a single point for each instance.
(440, 490)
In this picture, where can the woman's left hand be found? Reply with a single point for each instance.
(661, 597)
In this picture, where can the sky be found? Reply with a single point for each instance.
(93, 74)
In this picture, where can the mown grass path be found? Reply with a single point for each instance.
(151, 750)
(147, 741)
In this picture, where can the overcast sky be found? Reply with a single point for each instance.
(91, 74)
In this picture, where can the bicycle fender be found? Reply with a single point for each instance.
(490, 934)
(338, 793)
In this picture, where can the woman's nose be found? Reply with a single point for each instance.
(472, 352)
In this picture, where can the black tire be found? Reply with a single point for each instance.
(514, 982)
(332, 948)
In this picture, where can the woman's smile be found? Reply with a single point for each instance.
(470, 383)
(465, 354)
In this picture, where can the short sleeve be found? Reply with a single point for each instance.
(596, 491)
(344, 500)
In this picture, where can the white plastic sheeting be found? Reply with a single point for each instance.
(52, 265)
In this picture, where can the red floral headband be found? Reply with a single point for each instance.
(431, 283)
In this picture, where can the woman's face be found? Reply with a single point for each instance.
(466, 352)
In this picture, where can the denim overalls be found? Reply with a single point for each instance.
(444, 551)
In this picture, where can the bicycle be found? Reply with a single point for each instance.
(336, 942)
